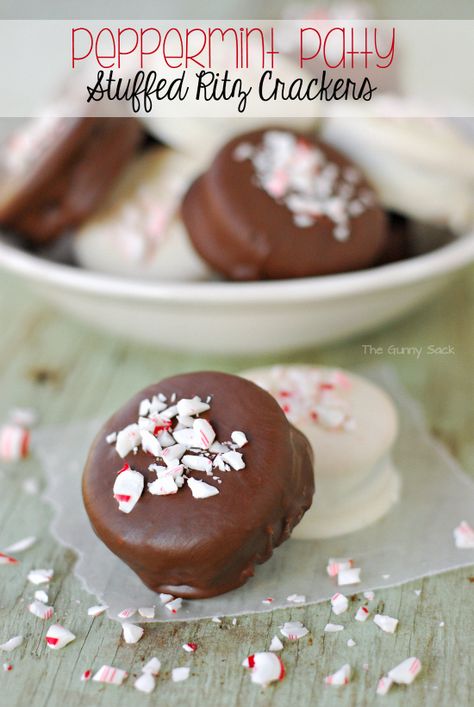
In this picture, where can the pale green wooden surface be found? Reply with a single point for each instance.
(69, 372)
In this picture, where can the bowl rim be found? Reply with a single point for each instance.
(444, 260)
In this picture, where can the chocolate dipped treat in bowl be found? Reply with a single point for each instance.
(195, 481)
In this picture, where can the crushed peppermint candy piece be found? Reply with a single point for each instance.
(216, 620)
(165, 598)
(293, 630)
(362, 614)
(163, 486)
(406, 671)
(339, 603)
(7, 559)
(384, 685)
(127, 440)
(153, 666)
(175, 605)
(86, 675)
(267, 600)
(386, 623)
(41, 595)
(148, 612)
(198, 462)
(369, 596)
(128, 488)
(145, 683)
(58, 637)
(180, 674)
(23, 417)
(348, 576)
(276, 644)
(11, 644)
(37, 608)
(97, 610)
(132, 632)
(340, 677)
(333, 628)
(239, 438)
(30, 486)
(464, 536)
(265, 668)
(110, 675)
(234, 460)
(351, 643)
(40, 576)
(111, 438)
(20, 545)
(192, 406)
(126, 613)
(335, 566)
(204, 433)
(150, 443)
(14, 443)
(7, 667)
(200, 489)
(296, 598)
(190, 647)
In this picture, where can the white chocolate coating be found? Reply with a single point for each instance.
(138, 232)
(351, 425)
(422, 168)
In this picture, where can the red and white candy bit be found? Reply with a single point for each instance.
(384, 685)
(204, 434)
(58, 637)
(267, 600)
(333, 628)
(362, 614)
(464, 536)
(190, 647)
(349, 576)
(150, 443)
(145, 683)
(265, 668)
(239, 438)
(405, 672)
(200, 489)
(110, 675)
(386, 623)
(86, 675)
(21, 545)
(276, 644)
(340, 677)
(296, 598)
(293, 630)
(163, 486)
(11, 644)
(41, 576)
(126, 613)
(180, 674)
(14, 443)
(174, 606)
(7, 667)
(37, 608)
(148, 612)
(336, 565)
(131, 632)
(128, 488)
(127, 440)
(7, 559)
(339, 603)
(96, 610)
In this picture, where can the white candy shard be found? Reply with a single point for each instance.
(175, 605)
(128, 488)
(57, 637)
(276, 644)
(239, 438)
(197, 462)
(351, 643)
(333, 628)
(163, 486)
(14, 443)
(145, 683)
(362, 614)
(386, 623)
(464, 536)
(165, 598)
(405, 672)
(339, 603)
(335, 565)
(340, 677)
(293, 630)
(348, 576)
(185, 437)
(41, 596)
(131, 632)
(153, 666)
(21, 545)
(265, 668)
(24, 417)
(234, 459)
(369, 596)
(200, 489)
(173, 453)
(148, 612)
(110, 675)
(127, 440)
(296, 598)
(40, 576)
(111, 438)
(96, 610)
(37, 608)
(11, 644)
(180, 674)
(204, 433)
(384, 685)
(150, 443)
(191, 406)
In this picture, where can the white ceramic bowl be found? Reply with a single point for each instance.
(242, 318)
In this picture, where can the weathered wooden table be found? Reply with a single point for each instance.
(68, 372)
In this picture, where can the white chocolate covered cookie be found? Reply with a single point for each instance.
(351, 425)
(138, 231)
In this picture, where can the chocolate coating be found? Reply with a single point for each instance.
(68, 180)
(246, 234)
(198, 548)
